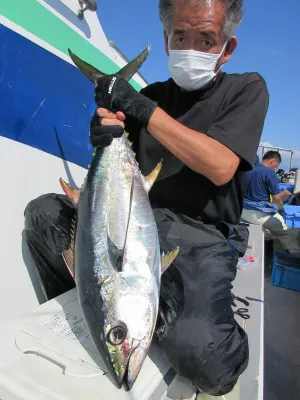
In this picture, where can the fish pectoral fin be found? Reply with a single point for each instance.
(68, 257)
(151, 178)
(115, 254)
(72, 194)
(167, 259)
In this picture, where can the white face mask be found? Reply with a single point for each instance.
(191, 69)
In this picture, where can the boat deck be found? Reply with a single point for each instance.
(274, 311)
(282, 339)
(52, 341)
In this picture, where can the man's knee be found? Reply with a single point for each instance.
(35, 212)
(47, 221)
(212, 358)
(275, 223)
(48, 210)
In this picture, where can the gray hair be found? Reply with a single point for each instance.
(233, 15)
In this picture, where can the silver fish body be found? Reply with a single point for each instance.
(117, 260)
(116, 252)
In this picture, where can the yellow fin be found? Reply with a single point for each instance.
(167, 259)
(151, 178)
(68, 257)
(72, 194)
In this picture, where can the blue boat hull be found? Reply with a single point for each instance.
(45, 102)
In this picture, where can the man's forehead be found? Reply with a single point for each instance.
(212, 10)
(202, 14)
(197, 3)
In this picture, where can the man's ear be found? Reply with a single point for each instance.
(230, 47)
(227, 53)
(166, 43)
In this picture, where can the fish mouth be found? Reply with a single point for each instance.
(133, 365)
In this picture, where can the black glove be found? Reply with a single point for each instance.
(102, 136)
(116, 94)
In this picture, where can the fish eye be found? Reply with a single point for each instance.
(117, 335)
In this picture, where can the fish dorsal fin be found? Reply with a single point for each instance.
(126, 72)
(88, 70)
(68, 255)
(116, 254)
(151, 178)
(72, 194)
(167, 259)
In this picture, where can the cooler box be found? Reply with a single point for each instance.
(291, 216)
(286, 271)
(47, 354)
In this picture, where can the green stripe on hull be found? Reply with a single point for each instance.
(36, 19)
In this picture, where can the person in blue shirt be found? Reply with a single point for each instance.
(262, 198)
(262, 181)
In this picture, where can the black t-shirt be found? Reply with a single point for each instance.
(231, 111)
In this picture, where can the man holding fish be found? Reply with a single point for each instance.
(206, 126)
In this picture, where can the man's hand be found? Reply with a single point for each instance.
(278, 198)
(109, 118)
(105, 126)
(285, 194)
(114, 93)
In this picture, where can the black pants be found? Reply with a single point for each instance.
(202, 339)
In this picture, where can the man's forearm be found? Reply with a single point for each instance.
(284, 195)
(198, 151)
(279, 198)
(278, 202)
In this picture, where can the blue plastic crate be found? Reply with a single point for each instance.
(291, 216)
(286, 271)
(286, 186)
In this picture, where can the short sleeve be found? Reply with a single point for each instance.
(273, 183)
(239, 124)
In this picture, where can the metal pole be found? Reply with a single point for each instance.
(297, 181)
(291, 159)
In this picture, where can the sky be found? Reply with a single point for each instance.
(269, 43)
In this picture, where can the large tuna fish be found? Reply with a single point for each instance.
(115, 251)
